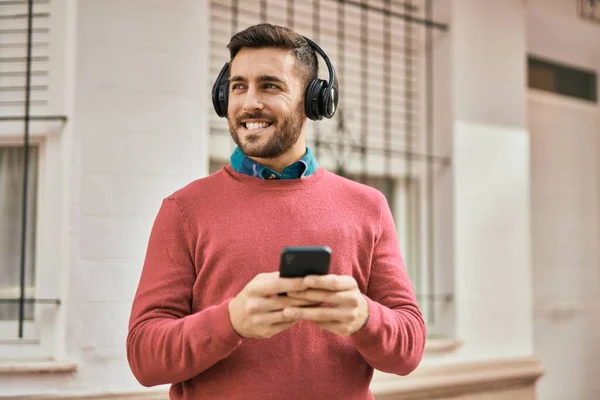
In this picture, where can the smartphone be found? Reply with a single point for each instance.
(297, 262)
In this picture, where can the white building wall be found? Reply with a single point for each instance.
(565, 246)
(140, 132)
(565, 203)
(491, 180)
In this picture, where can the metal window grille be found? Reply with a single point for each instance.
(23, 93)
(382, 134)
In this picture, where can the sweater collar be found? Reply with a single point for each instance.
(304, 167)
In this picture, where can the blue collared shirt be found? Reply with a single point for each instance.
(302, 168)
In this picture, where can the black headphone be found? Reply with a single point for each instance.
(321, 97)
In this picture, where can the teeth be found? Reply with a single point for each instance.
(251, 126)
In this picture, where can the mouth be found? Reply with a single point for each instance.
(256, 126)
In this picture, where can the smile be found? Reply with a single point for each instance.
(254, 126)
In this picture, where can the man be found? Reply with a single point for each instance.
(206, 317)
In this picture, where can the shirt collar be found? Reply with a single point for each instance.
(302, 168)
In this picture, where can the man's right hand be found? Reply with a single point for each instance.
(257, 311)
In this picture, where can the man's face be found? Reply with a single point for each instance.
(266, 109)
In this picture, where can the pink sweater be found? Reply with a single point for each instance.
(213, 236)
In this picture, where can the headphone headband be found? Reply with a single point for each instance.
(321, 97)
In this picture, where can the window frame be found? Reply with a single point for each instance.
(57, 179)
(13, 291)
(40, 335)
(559, 74)
(412, 238)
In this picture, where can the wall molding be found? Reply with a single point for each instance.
(162, 394)
(459, 378)
(442, 346)
(452, 379)
(38, 367)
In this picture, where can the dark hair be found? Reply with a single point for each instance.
(267, 35)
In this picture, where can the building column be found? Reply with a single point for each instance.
(491, 180)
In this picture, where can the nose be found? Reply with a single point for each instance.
(252, 101)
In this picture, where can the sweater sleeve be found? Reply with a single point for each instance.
(393, 339)
(167, 343)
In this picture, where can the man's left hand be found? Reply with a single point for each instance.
(346, 310)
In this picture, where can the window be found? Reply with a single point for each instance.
(30, 333)
(29, 330)
(378, 135)
(562, 79)
(12, 169)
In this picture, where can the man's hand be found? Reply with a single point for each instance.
(257, 311)
(347, 311)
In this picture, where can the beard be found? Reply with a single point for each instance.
(285, 135)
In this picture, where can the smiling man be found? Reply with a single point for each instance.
(275, 77)
(207, 317)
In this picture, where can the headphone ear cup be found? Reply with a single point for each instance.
(220, 92)
(224, 98)
(313, 99)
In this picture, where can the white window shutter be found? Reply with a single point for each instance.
(13, 57)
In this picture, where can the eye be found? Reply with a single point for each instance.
(236, 86)
(271, 86)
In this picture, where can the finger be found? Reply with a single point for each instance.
(331, 282)
(317, 295)
(274, 318)
(349, 298)
(319, 314)
(269, 284)
(279, 303)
